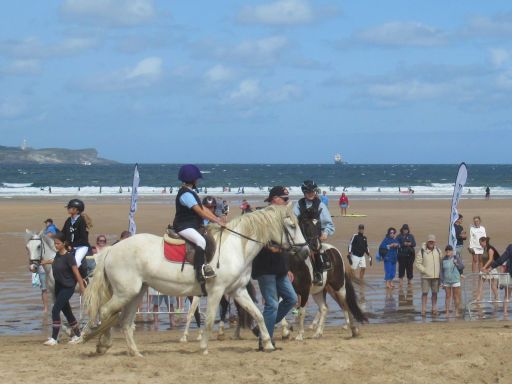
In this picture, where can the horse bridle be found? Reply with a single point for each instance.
(37, 262)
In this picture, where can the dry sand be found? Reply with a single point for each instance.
(446, 352)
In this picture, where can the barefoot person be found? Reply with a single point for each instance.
(450, 279)
(388, 251)
(66, 275)
(475, 233)
(428, 262)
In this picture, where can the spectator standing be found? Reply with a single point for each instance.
(428, 262)
(487, 193)
(490, 255)
(450, 279)
(157, 299)
(324, 199)
(357, 250)
(50, 229)
(388, 252)
(475, 233)
(460, 235)
(343, 203)
(406, 254)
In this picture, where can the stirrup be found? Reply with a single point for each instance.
(318, 278)
(327, 266)
(207, 271)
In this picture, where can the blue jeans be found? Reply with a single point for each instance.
(272, 288)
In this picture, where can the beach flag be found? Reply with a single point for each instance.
(457, 193)
(132, 228)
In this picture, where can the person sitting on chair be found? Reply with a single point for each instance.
(316, 224)
(189, 218)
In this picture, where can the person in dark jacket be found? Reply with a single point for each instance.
(190, 213)
(406, 254)
(76, 231)
(270, 268)
(357, 249)
(66, 275)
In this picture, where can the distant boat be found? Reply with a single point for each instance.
(338, 159)
(86, 162)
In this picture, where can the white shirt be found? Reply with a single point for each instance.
(474, 238)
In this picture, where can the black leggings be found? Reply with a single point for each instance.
(62, 296)
(405, 263)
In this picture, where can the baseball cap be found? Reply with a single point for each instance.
(431, 238)
(276, 191)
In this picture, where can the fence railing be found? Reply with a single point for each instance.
(481, 290)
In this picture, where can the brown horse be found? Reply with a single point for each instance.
(336, 281)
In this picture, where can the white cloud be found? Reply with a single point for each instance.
(145, 73)
(285, 93)
(248, 91)
(32, 48)
(118, 13)
(281, 12)
(408, 90)
(499, 25)
(218, 74)
(21, 67)
(396, 34)
(499, 57)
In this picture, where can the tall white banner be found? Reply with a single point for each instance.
(133, 206)
(457, 192)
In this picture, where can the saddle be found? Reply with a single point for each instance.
(179, 250)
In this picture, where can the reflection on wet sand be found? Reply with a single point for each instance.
(21, 307)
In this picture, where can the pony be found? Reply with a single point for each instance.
(124, 271)
(40, 247)
(337, 282)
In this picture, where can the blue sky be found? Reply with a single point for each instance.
(287, 81)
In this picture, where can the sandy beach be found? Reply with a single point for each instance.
(440, 352)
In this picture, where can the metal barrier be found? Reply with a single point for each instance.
(484, 289)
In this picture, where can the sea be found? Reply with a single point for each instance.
(371, 180)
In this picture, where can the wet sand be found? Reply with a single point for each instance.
(410, 351)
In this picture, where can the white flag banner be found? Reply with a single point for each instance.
(133, 206)
(457, 193)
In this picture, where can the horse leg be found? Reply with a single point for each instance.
(128, 323)
(322, 307)
(109, 314)
(341, 295)
(243, 298)
(285, 331)
(224, 305)
(300, 320)
(190, 314)
(211, 310)
(314, 324)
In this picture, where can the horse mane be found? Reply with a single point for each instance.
(260, 225)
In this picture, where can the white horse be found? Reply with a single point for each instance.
(41, 248)
(124, 271)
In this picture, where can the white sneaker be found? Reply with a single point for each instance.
(74, 340)
(50, 342)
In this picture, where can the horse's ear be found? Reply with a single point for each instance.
(28, 235)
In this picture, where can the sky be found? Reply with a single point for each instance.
(286, 81)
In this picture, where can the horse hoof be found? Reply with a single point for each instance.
(345, 327)
(221, 337)
(205, 352)
(299, 338)
(317, 336)
(286, 337)
(183, 339)
(199, 338)
(355, 332)
(135, 354)
(101, 350)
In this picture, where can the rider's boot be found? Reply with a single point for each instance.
(326, 262)
(317, 271)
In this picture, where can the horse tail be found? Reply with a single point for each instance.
(353, 306)
(99, 291)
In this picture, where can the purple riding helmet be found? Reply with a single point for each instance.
(189, 173)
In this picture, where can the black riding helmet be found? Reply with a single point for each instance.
(76, 203)
(309, 186)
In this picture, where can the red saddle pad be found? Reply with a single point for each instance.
(175, 253)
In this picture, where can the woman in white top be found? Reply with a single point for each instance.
(475, 233)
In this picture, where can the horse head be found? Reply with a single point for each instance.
(39, 247)
(293, 239)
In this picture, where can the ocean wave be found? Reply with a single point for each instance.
(17, 185)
